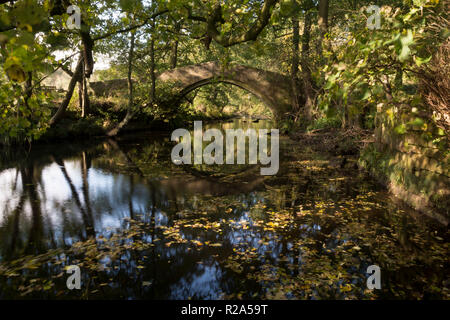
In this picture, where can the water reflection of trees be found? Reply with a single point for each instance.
(28, 228)
(133, 179)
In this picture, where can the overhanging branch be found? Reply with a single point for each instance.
(249, 35)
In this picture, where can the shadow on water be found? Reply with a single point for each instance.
(141, 227)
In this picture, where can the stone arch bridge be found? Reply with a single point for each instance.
(272, 88)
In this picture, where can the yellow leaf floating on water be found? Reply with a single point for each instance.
(215, 245)
(346, 288)
(198, 243)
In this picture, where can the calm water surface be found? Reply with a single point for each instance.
(146, 228)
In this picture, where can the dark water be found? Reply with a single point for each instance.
(142, 227)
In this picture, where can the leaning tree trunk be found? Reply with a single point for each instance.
(65, 103)
(82, 69)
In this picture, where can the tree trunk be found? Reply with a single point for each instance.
(28, 88)
(295, 63)
(130, 111)
(80, 97)
(152, 70)
(174, 49)
(83, 98)
(86, 101)
(306, 70)
(174, 55)
(323, 24)
(65, 103)
(130, 71)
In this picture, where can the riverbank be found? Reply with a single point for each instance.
(72, 128)
(388, 167)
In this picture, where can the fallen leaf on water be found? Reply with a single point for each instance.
(215, 244)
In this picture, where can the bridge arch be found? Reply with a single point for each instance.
(212, 81)
(272, 88)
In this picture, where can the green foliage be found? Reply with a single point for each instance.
(362, 65)
(287, 126)
(26, 48)
(325, 123)
(22, 118)
(365, 62)
(212, 98)
(74, 128)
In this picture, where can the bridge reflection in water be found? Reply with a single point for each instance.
(64, 194)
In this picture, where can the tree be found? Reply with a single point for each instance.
(130, 110)
(323, 25)
(306, 69)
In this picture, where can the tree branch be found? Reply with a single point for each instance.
(250, 35)
(130, 28)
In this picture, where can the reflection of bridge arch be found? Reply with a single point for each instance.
(272, 88)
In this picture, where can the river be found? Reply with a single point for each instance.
(141, 227)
